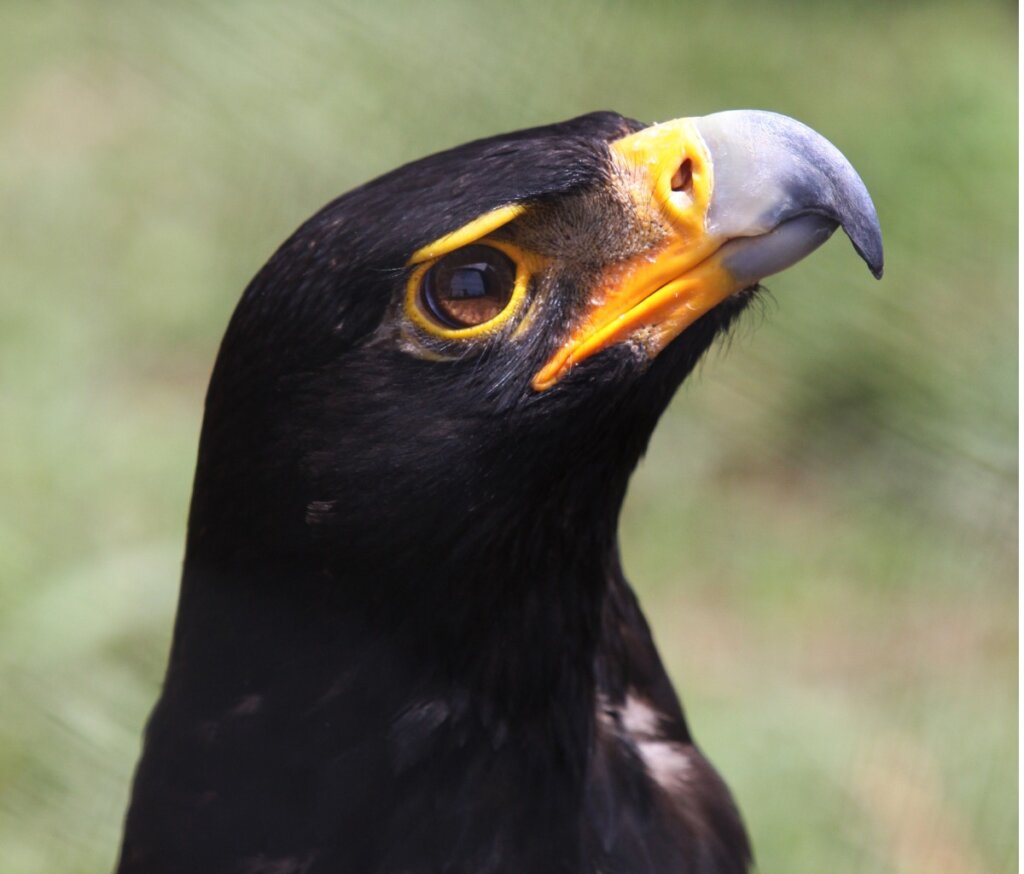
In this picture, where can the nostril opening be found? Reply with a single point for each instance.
(682, 179)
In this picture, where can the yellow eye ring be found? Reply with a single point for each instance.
(526, 265)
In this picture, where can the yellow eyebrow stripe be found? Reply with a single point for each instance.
(479, 227)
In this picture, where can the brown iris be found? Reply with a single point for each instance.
(469, 286)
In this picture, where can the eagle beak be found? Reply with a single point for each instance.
(743, 195)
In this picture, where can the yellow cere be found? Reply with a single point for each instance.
(655, 155)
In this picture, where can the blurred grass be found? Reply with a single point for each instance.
(824, 532)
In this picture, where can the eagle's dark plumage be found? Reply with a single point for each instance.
(404, 641)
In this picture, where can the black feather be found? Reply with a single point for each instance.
(404, 642)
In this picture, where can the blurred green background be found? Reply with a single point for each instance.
(824, 531)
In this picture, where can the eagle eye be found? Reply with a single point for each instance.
(468, 287)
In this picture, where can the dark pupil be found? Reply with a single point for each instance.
(469, 287)
(469, 281)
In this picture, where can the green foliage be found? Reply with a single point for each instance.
(824, 530)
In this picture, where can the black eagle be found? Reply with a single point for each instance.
(404, 641)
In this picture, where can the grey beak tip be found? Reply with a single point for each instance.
(806, 172)
(867, 241)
